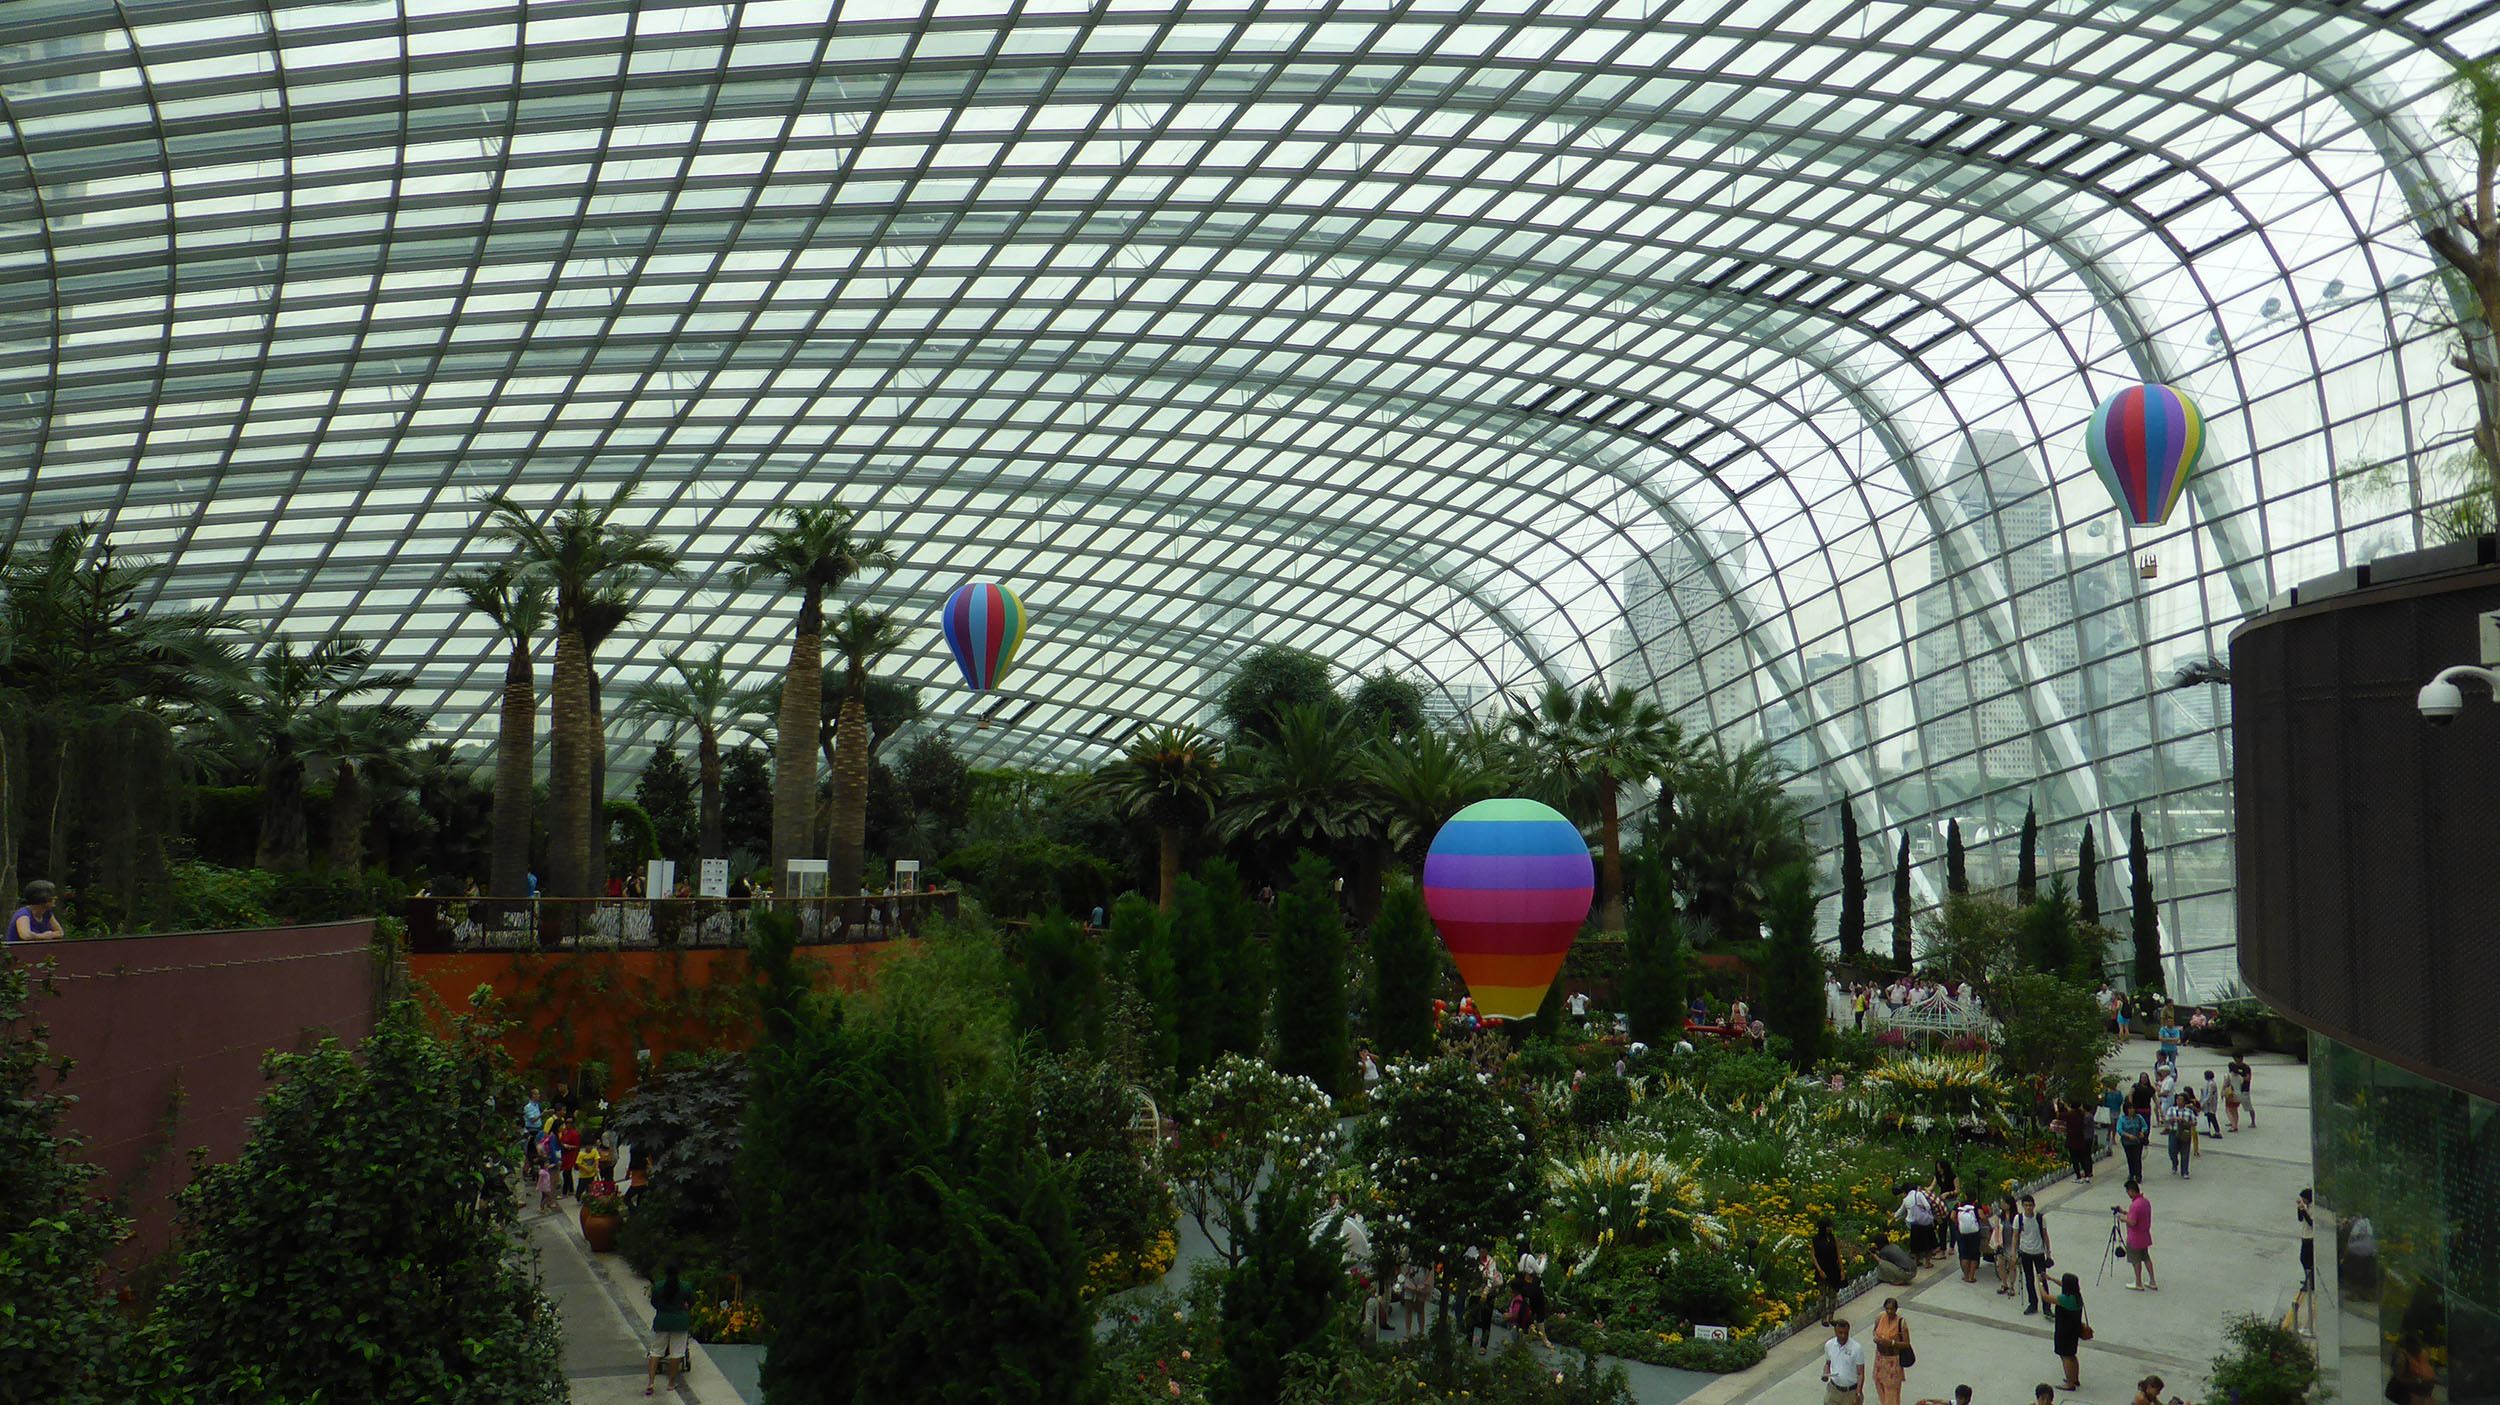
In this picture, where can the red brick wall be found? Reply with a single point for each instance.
(568, 1007)
(141, 1016)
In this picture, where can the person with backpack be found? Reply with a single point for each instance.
(1480, 1316)
(672, 1317)
(2030, 1238)
(1970, 1235)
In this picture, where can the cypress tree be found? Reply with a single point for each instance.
(1197, 977)
(1058, 986)
(2088, 879)
(1956, 863)
(2147, 918)
(1141, 952)
(1405, 959)
(1793, 1002)
(1901, 954)
(1653, 954)
(1852, 887)
(1279, 1301)
(1237, 1017)
(2027, 876)
(1309, 949)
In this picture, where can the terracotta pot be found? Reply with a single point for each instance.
(600, 1230)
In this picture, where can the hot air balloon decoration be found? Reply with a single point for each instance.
(2144, 442)
(1508, 883)
(984, 623)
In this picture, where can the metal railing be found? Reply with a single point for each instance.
(439, 925)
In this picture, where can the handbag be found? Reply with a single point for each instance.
(2083, 1333)
(1909, 1358)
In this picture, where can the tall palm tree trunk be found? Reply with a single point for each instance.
(794, 743)
(283, 846)
(597, 741)
(709, 841)
(1167, 865)
(516, 746)
(1610, 848)
(347, 819)
(846, 841)
(568, 773)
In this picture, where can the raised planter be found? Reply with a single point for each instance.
(600, 1230)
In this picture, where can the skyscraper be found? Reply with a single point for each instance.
(1681, 642)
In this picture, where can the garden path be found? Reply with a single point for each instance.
(2224, 1241)
(604, 1307)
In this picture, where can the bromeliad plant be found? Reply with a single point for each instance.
(1928, 1091)
(1633, 1197)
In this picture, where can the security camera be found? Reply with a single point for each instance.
(2441, 700)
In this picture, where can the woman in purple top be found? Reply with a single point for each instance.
(34, 922)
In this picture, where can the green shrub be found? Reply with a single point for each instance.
(1541, 1059)
(1601, 1100)
(208, 898)
(1744, 1077)
(1661, 1285)
(2263, 1363)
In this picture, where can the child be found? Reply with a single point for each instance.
(546, 1187)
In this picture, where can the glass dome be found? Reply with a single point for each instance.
(1737, 351)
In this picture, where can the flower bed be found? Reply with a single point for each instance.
(1114, 1270)
(1700, 1206)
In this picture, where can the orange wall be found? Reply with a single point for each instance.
(568, 1007)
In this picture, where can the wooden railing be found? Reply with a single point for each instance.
(643, 924)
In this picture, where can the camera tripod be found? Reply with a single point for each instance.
(2114, 1250)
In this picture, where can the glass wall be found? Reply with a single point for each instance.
(2408, 1181)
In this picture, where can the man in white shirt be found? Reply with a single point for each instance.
(1580, 1006)
(1844, 1367)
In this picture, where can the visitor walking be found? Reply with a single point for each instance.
(1418, 1293)
(1844, 1367)
(2308, 1241)
(2001, 1250)
(2231, 1102)
(2135, 1132)
(2078, 1123)
(2178, 1124)
(1918, 1211)
(1828, 1274)
(33, 921)
(546, 1186)
(2139, 1219)
(569, 1147)
(1528, 1283)
(1480, 1316)
(2247, 1079)
(1892, 1351)
(672, 1317)
(2211, 1101)
(530, 1115)
(2067, 1329)
(1970, 1235)
(2031, 1247)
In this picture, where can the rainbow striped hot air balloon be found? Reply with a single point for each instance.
(1508, 883)
(2144, 442)
(984, 624)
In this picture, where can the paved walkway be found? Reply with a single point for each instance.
(606, 1311)
(2224, 1241)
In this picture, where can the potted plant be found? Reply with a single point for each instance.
(603, 1212)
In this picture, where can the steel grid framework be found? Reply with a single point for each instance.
(1738, 351)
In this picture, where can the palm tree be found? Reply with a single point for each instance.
(814, 552)
(1583, 751)
(1422, 778)
(285, 717)
(700, 697)
(359, 743)
(582, 555)
(1291, 786)
(859, 636)
(1170, 777)
(603, 615)
(518, 605)
(84, 670)
(1734, 826)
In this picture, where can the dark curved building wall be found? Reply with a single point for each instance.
(2369, 898)
(2369, 841)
